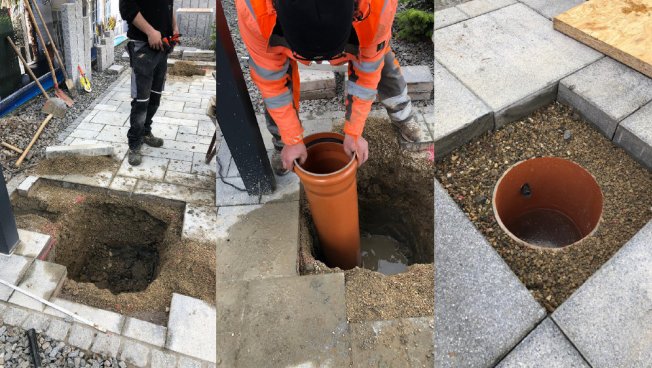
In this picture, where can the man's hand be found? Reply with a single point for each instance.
(360, 147)
(155, 40)
(293, 152)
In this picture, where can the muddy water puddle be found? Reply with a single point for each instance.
(382, 253)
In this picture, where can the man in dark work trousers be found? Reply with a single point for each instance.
(149, 22)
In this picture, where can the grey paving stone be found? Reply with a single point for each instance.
(200, 223)
(294, 321)
(37, 321)
(475, 8)
(313, 80)
(14, 316)
(403, 342)
(606, 92)
(551, 8)
(608, 318)
(418, 78)
(26, 185)
(191, 328)
(12, 269)
(511, 58)
(81, 336)
(163, 360)
(42, 279)
(31, 243)
(634, 134)
(115, 69)
(545, 347)
(260, 242)
(107, 344)
(144, 331)
(135, 353)
(446, 17)
(459, 115)
(185, 362)
(58, 329)
(481, 308)
(111, 321)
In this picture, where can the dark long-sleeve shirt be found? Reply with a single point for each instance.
(158, 13)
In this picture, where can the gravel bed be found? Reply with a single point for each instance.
(15, 352)
(407, 53)
(470, 173)
(19, 127)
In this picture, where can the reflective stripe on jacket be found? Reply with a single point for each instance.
(269, 64)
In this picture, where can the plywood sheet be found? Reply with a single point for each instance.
(621, 29)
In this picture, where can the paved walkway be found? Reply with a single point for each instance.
(496, 62)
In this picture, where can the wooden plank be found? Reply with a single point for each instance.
(621, 29)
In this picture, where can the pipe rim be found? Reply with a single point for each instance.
(535, 246)
(325, 135)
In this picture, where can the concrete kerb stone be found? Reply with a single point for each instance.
(634, 135)
(27, 184)
(605, 93)
(482, 310)
(191, 328)
(42, 279)
(459, 115)
(551, 8)
(12, 270)
(608, 318)
(100, 149)
(495, 52)
(545, 347)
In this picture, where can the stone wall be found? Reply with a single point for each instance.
(195, 26)
(77, 40)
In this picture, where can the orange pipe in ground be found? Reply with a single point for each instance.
(329, 180)
(547, 185)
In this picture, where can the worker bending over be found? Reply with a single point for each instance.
(278, 33)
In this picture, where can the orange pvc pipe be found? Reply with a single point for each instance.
(329, 180)
(553, 184)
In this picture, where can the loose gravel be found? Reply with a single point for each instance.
(19, 127)
(15, 352)
(420, 53)
(469, 174)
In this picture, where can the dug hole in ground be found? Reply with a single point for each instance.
(395, 198)
(122, 254)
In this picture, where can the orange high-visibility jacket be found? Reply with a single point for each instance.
(269, 63)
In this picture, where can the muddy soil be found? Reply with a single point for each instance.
(185, 69)
(122, 254)
(74, 165)
(469, 174)
(395, 193)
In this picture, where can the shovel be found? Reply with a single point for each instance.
(69, 83)
(53, 106)
(58, 92)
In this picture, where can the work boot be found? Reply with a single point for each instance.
(410, 130)
(277, 164)
(152, 141)
(134, 157)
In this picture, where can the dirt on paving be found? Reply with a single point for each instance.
(83, 165)
(470, 173)
(395, 186)
(185, 69)
(123, 254)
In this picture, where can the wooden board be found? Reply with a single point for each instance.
(621, 29)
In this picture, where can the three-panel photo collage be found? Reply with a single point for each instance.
(325, 183)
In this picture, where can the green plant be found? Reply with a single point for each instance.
(213, 37)
(415, 25)
(425, 5)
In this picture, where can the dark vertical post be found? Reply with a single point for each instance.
(8, 231)
(236, 116)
